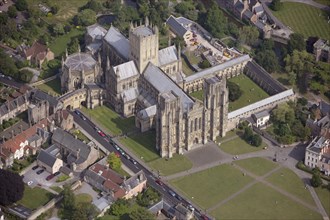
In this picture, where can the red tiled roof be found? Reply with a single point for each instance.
(120, 193)
(35, 49)
(107, 173)
(13, 144)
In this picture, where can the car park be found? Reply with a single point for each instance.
(40, 171)
(35, 167)
(30, 183)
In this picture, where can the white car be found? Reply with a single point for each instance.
(30, 183)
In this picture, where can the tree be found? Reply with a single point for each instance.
(248, 133)
(54, 9)
(12, 11)
(141, 213)
(85, 17)
(248, 35)
(256, 140)
(215, 21)
(268, 60)
(58, 29)
(26, 75)
(11, 187)
(114, 161)
(316, 180)
(21, 5)
(296, 42)
(148, 197)
(84, 211)
(234, 91)
(68, 206)
(73, 46)
(276, 5)
(93, 5)
(120, 207)
(7, 65)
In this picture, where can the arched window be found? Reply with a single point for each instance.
(191, 125)
(200, 123)
(196, 124)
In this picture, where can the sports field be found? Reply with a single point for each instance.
(304, 19)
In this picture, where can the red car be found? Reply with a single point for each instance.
(101, 133)
(159, 182)
(51, 176)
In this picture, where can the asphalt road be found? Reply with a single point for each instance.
(89, 127)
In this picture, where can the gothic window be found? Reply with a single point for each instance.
(130, 84)
(174, 68)
(196, 124)
(191, 125)
(200, 123)
(124, 86)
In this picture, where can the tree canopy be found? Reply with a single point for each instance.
(85, 17)
(11, 187)
(248, 35)
(215, 21)
(21, 5)
(149, 197)
(114, 161)
(141, 213)
(296, 42)
(268, 60)
(276, 5)
(235, 91)
(119, 208)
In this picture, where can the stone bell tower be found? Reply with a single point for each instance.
(143, 42)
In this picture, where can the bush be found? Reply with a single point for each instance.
(62, 178)
(235, 91)
(26, 75)
(204, 64)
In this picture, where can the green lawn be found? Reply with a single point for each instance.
(239, 146)
(209, 187)
(83, 198)
(56, 188)
(257, 165)
(304, 19)
(192, 58)
(33, 198)
(229, 134)
(170, 166)
(262, 202)
(52, 87)
(80, 135)
(251, 92)
(143, 145)
(290, 182)
(186, 69)
(110, 120)
(62, 178)
(59, 45)
(324, 196)
(198, 95)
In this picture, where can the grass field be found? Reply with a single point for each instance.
(170, 166)
(56, 188)
(186, 69)
(324, 196)
(110, 120)
(59, 45)
(262, 202)
(304, 19)
(33, 198)
(229, 134)
(52, 87)
(198, 95)
(83, 198)
(257, 165)
(143, 145)
(290, 182)
(251, 92)
(209, 187)
(239, 146)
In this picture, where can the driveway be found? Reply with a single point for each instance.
(31, 175)
(86, 188)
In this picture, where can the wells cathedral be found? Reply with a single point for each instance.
(137, 79)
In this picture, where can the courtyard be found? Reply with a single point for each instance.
(52, 87)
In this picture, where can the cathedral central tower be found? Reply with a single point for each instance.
(143, 42)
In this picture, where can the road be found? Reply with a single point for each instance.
(89, 127)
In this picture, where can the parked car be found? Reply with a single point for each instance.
(51, 176)
(159, 182)
(122, 152)
(77, 112)
(117, 147)
(83, 117)
(171, 193)
(127, 156)
(57, 173)
(35, 167)
(190, 207)
(30, 183)
(133, 161)
(40, 172)
(204, 217)
(101, 133)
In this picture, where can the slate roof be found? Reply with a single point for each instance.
(118, 41)
(73, 145)
(46, 158)
(258, 104)
(261, 114)
(259, 9)
(317, 144)
(219, 67)
(126, 70)
(324, 107)
(167, 55)
(8, 106)
(248, 14)
(41, 95)
(129, 95)
(96, 31)
(176, 26)
(147, 112)
(163, 83)
(143, 31)
(80, 62)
